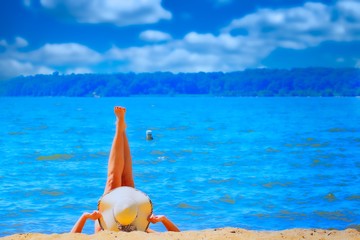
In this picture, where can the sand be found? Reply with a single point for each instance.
(211, 234)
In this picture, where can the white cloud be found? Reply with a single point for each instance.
(167, 57)
(296, 28)
(63, 54)
(46, 59)
(221, 2)
(79, 70)
(154, 36)
(20, 42)
(196, 52)
(244, 43)
(3, 43)
(302, 27)
(349, 8)
(27, 3)
(12, 67)
(118, 12)
(357, 65)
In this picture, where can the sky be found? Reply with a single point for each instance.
(109, 36)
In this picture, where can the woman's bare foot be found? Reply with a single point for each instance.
(120, 115)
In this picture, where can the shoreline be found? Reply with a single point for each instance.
(209, 234)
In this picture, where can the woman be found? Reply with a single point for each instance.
(119, 175)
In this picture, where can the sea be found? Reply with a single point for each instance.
(253, 163)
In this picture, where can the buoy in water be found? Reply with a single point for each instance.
(149, 135)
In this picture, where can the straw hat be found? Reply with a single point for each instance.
(125, 209)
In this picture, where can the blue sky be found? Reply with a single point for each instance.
(106, 36)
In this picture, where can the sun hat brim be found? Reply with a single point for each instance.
(109, 200)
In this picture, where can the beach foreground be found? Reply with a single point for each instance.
(211, 234)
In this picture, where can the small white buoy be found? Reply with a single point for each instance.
(149, 135)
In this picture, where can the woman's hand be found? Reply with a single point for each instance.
(156, 218)
(95, 215)
(79, 225)
(170, 226)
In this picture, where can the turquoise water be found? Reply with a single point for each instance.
(255, 163)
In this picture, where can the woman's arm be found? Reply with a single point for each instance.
(79, 225)
(170, 226)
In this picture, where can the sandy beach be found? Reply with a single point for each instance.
(210, 234)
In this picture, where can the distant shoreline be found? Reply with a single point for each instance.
(180, 96)
(303, 82)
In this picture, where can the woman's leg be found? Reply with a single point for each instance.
(116, 162)
(127, 177)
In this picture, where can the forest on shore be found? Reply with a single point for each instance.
(325, 82)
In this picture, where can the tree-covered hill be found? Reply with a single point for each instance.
(252, 82)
